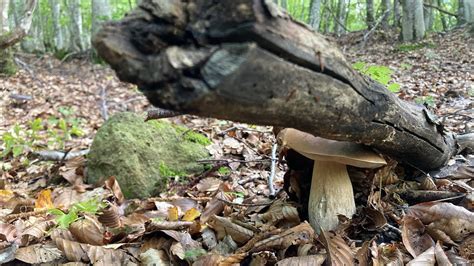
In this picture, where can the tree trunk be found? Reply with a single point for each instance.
(413, 26)
(100, 12)
(244, 60)
(468, 11)
(370, 18)
(460, 19)
(442, 17)
(326, 15)
(36, 32)
(386, 7)
(58, 39)
(315, 14)
(428, 16)
(396, 13)
(10, 37)
(339, 19)
(75, 26)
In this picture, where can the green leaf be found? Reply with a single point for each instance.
(17, 150)
(394, 87)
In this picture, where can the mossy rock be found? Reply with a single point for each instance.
(143, 155)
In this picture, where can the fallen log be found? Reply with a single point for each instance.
(247, 60)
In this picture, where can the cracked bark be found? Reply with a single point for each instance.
(246, 60)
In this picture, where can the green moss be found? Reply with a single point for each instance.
(166, 171)
(187, 134)
(7, 66)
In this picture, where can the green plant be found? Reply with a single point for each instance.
(193, 254)
(224, 170)
(381, 74)
(426, 100)
(64, 220)
(17, 141)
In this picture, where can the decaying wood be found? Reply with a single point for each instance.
(247, 60)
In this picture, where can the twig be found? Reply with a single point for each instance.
(159, 113)
(440, 10)
(272, 170)
(227, 161)
(104, 110)
(393, 228)
(59, 155)
(246, 204)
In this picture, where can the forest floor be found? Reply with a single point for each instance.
(55, 105)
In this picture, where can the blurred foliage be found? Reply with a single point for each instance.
(381, 74)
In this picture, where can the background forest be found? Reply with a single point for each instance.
(93, 173)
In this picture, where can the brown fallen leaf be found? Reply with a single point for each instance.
(281, 211)
(297, 235)
(38, 254)
(216, 259)
(8, 233)
(44, 200)
(216, 206)
(110, 216)
(338, 251)
(426, 258)
(457, 222)
(441, 257)
(88, 231)
(386, 254)
(155, 225)
(313, 260)
(35, 231)
(112, 184)
(414, 236)
(224, 226)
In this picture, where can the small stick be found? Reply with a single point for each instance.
(272, 170)
(159, 113)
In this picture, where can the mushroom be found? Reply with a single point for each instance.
(331, 189)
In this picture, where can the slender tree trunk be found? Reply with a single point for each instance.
(396, 13)
(386, 6)
(4, 7)
(442, 17)
(428, 16)
(75, 26)
(36, 42)
(326, 15)
(468, 11)
(58, 39)
(413, 26)
(370, 19)
(339, 19)
(460, 18)
(100, 12)
(315, 14)
(284, 4)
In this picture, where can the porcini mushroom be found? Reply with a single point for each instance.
(331, 189)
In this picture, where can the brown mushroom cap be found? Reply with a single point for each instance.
(320, 149)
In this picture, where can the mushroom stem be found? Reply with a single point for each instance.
(331, 194)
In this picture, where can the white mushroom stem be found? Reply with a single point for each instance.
(331, 194)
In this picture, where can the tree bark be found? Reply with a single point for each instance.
(245, 60)
(315, 14)
(370, 18)
(58, 39)
(413, 25)
(75, 26)
(340, 18)
(386, 7)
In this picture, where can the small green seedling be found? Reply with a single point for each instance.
(381, 74)
(64, 220)
(426, 100)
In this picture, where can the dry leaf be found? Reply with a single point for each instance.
(441, 257)
(112, 184)
(386, 254)
(35, 232)
(426, 258)
(38, 254)
(88, 231)
(298, 235)
(154, 225)
(173, 213)
(8, 233)
(44, 200)
(311, 260)
(191, 215)
(281, 211)
(224, 226)
(414, 237)
(154, 257)
(209, 184)
(339, 252)
(457, 222)
(216, 259)
(110, 216)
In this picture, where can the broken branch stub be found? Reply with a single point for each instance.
(246, 60)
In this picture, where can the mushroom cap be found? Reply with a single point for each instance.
(321, 149)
